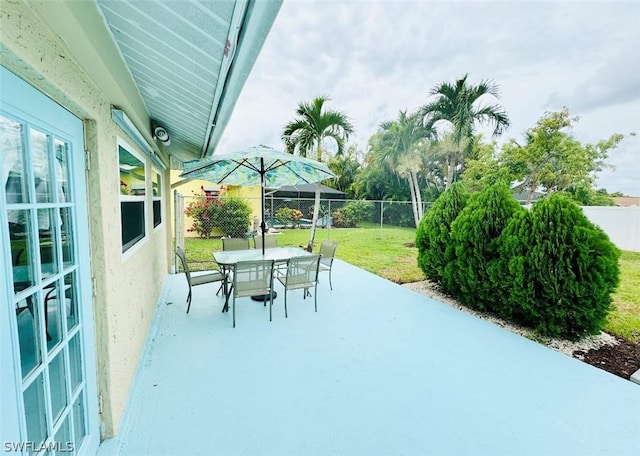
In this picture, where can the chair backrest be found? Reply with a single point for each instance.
(269, 241)
(252, 278)
(235, 244)
(302, 271)
(328, 251)
(183, 259)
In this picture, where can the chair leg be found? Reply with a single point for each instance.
(234, 311)
(189, 300)
(315, 297)
(270, 300)
(225, 308)
(330, 284)
(285, 303)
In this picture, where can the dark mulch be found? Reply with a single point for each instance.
(622, 359)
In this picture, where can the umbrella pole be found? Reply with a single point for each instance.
(262, 225)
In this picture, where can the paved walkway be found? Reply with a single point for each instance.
(378, 370)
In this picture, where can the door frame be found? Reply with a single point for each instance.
(20, 100)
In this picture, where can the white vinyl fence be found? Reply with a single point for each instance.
(622, 224)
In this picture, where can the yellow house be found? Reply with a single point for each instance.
(190, 189)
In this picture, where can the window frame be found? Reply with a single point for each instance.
(131, 246)
(159, 198)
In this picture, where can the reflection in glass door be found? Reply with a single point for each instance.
(48, 338)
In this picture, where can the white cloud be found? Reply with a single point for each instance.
(376, 58)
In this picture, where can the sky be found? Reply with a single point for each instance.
(377, 58)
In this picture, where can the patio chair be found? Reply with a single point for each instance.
(302, 272)
(327, 252)
(251, 278)
(270, 241)
(235, 244)
(197, 278)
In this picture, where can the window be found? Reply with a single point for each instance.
(132, 196)
(156, 188)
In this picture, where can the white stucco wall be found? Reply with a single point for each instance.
(127, 287)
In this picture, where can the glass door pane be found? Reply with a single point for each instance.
(44, 225)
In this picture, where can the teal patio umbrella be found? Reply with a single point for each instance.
(258, 165)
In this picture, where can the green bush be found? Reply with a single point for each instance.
(352, 213)
(201, 210)
(562, 270)
(433, 237)
(475, 237)
(289, 216)
(230, 215)
(233, 217)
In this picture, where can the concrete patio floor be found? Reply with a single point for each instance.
(378, 370)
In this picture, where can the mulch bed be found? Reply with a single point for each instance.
(622, 359)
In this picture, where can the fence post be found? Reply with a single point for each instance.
(381, 215)
(178, 223)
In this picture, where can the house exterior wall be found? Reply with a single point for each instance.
(126, 287)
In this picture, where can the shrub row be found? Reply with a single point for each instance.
(352, 213)
(549, 268)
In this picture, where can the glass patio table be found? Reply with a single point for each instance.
(228, 258)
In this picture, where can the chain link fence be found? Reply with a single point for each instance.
(220, 216)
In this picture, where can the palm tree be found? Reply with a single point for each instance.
(308, 131)
(401, 144)
(346, 168)
(459, 105)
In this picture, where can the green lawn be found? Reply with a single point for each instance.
(394, 256)
(624, 320)
(389, 253)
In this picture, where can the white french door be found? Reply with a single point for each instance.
(47, 355)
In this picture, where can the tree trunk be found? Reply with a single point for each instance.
(414, 176)
(316, 204)
(314, 220)
(530, 195)
(449, 171)
(413, 199)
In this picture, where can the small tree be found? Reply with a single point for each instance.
(562, 270)
(474, 235)
(433, 236)
(232, 216)
(202, 210)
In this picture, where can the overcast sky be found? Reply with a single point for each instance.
(375, 58)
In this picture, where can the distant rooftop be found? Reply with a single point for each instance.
(626, 200)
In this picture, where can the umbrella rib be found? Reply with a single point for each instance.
(238, 165)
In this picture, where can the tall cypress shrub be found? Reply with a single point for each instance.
(474, 235)
(562, 268)
(507, 274)
(433, 233)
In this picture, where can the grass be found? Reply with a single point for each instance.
(394, 258)
(624, 319)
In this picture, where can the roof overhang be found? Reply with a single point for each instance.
(176, 64)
